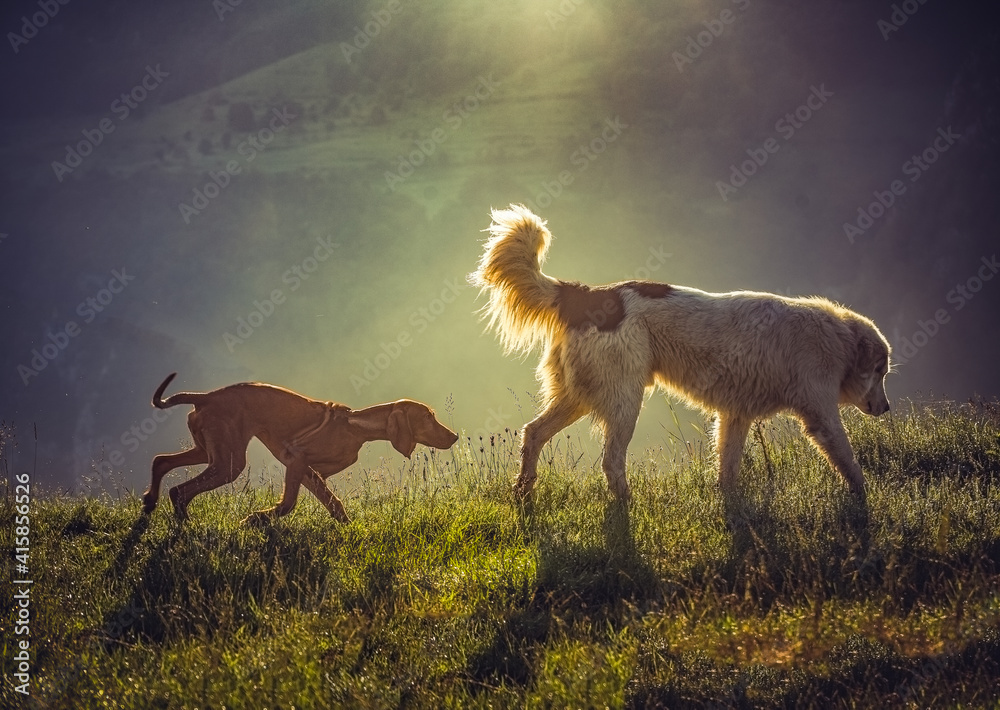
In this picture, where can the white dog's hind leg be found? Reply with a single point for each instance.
(827, 433)
(556, 417)
(730, 438)
(618, 430)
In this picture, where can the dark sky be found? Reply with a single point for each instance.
(294, 191)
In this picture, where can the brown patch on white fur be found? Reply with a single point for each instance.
(581, 307)
(744, 355)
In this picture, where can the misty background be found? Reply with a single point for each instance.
(347, 154)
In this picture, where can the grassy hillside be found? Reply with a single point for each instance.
(447, 594)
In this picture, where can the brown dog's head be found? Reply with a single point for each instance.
(864, 384)
(411, 423)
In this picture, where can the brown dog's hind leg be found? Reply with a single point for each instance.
(164, 464)
(218, 473)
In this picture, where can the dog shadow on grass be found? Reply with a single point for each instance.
(133, 617)
(773, 551)
(586, 575)
(117, 623)
(575, 581)
(129, 544)
(179, 581)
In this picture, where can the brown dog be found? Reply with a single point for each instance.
(313, 439)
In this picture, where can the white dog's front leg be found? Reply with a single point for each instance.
(827, 433)
(730, 438)
(615, 454)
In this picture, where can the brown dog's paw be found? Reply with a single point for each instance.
(149, 502)
(258, 519)
(180, 509)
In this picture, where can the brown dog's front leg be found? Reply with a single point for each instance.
(315, 484)
(295, 471)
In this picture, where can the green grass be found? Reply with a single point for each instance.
(446, 593)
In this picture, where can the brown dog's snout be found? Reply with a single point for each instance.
(446, 436)
(429, 431)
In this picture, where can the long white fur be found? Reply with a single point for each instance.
(745, 355)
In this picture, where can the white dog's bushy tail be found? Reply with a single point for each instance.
(522, 307)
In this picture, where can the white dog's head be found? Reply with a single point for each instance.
(864, 383)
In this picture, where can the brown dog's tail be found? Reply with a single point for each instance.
(174, 399)
(522, 307)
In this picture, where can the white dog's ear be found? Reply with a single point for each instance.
(864, 354)
(399, 432)
(864, 349)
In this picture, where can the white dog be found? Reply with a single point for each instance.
(745, 355)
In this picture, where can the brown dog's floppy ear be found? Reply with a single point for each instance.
(398, 430)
